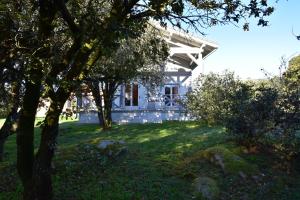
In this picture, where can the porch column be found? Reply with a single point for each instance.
(199, 61)
(122, 96)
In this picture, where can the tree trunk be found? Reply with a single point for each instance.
(98, 100)
(9, 126)
(1, 149)
(7, 129)
(25, 134)
(108, 94)
(41, 183)
(107, 112)
(39, 186)
(37, 183)
(4, 133)
(42, 165)
(104, 111)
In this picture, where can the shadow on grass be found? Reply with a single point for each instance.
(149, 169)
(154, 151)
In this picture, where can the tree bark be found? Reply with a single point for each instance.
(25, 134)
(6, 130)
(107, 110)
(41, 180)
(93, 85)
(39, 187)
(9, 126)
(104, 108)
(108, 95)
(4, 133)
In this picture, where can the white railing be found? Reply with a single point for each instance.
(173, 100)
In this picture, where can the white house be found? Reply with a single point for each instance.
(132, 103)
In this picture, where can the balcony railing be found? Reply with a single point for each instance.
(168, 101)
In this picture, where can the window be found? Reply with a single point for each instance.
(171, 94)
(131, 94)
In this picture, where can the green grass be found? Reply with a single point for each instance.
(161, 163)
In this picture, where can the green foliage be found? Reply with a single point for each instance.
(252, 112)
(137, 59)
(219, 12)
(211, 97)
(286, 135)
(294, 68)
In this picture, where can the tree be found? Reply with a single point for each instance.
(139, 59)
(293, 71)
(92, 29)
(15, 56)
(288, 103)
(10, 100)
(252, 113)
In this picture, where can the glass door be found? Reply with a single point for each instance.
(131, 95)
(171, 94)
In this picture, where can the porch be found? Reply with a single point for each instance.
(136, 116)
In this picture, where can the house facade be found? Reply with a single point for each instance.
(134, 103)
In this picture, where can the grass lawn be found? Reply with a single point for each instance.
(161, 163)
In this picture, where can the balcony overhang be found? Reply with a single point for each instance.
(186, 50)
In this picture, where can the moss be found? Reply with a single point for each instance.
(228, 161)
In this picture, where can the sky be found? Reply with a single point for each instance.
(246, 53)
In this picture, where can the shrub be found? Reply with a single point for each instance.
(246, 109)
(210, 99)
(252, 113)
(286, 137)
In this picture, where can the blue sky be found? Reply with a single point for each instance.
(246, 53)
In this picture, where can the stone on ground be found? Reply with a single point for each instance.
(112, 148)
(206, 188)
(228, 161)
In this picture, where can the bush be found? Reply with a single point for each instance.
(210, 99)
(255, 112)
(286, 137)
(252, 113)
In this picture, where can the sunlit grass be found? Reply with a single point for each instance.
(2, 122)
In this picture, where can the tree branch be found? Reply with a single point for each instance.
(67, 16)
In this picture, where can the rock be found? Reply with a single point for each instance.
(219, 161)
(112, 148)
(242, 175)
(122, 151)
(105, 143)
(255, 178)
(206, 188)
(122, 142)
(109, 153)
(228, 161)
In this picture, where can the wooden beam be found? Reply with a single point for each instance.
(197, 61)
(179, 61)
(194, 50)
(180, 73)
(183, 80)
